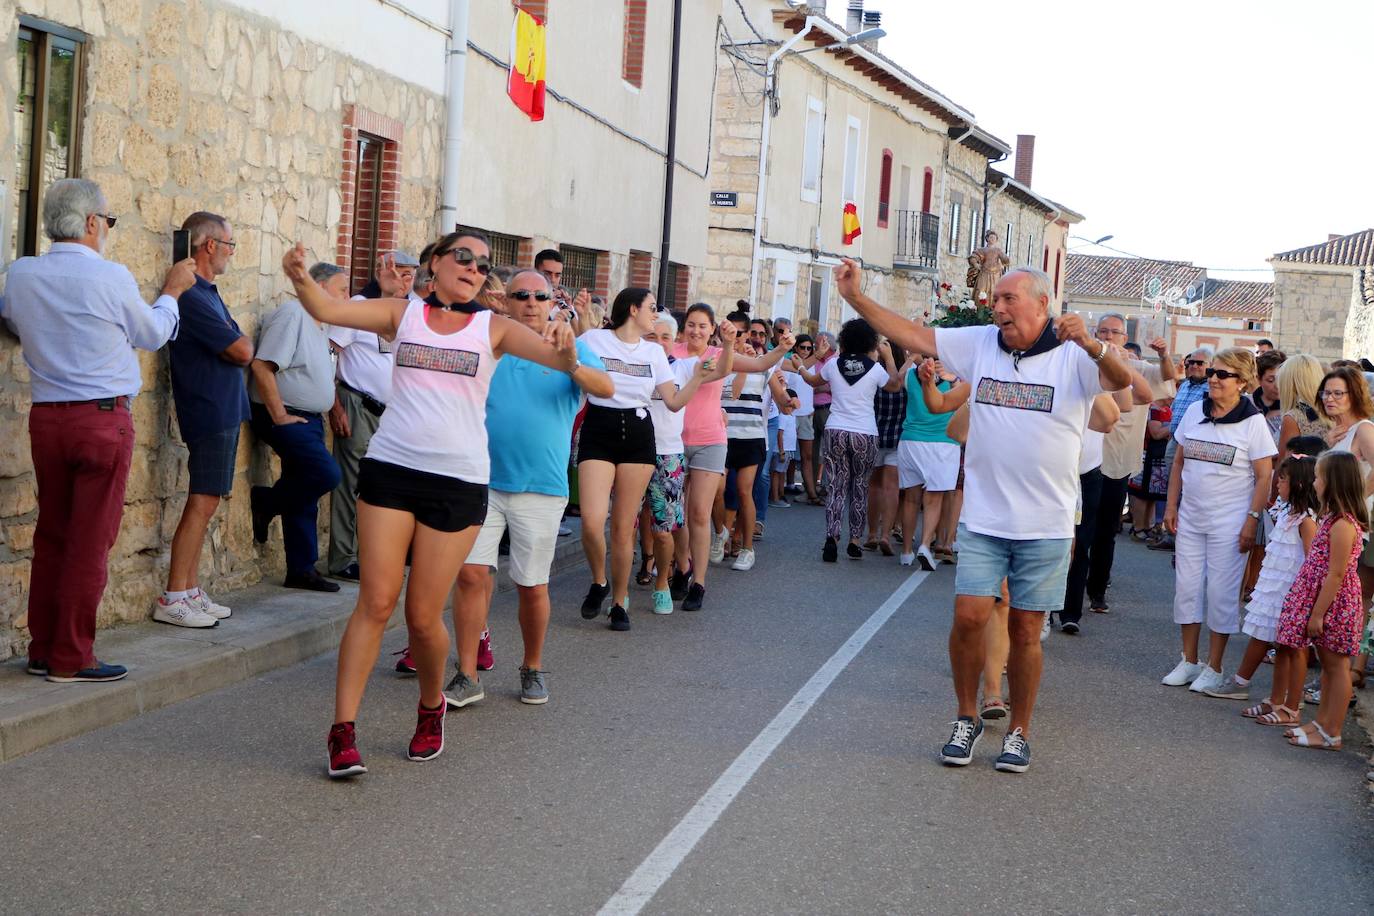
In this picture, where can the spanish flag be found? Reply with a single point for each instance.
(526, 84)
(851, 223)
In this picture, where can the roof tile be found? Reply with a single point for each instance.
(1354, 250)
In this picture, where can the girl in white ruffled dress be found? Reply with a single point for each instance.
(1294, 526)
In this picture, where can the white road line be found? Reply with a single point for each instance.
(655, 870)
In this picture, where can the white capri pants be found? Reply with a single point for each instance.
(1208, 568)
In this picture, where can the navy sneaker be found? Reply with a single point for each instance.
(620, 618)
(1015, 753)
(96, 674)
(591, 605)
(696, 595)
(678, 583)
(38, 668)
(959, 751)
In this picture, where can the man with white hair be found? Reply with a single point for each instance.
(79, 318)
(1034, 380)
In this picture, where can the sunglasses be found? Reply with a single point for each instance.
(806, 347)
(1222, 374)
(525, 295)
(109, 220)
(1195, 362)
(464, 256)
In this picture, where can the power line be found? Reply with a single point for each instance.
(1141, 257)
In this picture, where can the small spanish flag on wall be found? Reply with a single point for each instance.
(526, 84)
(851, 223)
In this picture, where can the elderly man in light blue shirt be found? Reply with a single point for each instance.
(79, 318)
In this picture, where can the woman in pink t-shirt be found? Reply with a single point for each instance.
(703, 438)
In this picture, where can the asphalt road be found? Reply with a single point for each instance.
(1141, 799)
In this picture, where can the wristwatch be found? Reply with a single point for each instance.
(1254, 515)
(1101, 353)
(577, 364)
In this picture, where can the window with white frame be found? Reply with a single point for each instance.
(1009, 240)
(973, 226)
(852, 137)
(955, 209)
(812, 151)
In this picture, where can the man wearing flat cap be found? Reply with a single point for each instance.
(362, 384)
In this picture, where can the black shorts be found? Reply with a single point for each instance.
(439, 502)
(745, 453)
(617, 435)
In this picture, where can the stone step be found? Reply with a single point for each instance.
(271, 628)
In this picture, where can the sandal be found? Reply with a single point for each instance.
(646, 573)
(993, 708)
(871, 544)
(1279, 715)
(885, 547)
(1323, 743)
(1262, 708)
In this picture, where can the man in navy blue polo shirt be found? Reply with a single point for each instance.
(208, 358)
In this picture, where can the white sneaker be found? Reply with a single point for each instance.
(182, 613)
(203, 602)
(745, 561)
(718, 540)
(907, 559)
(928, 561)
(1207, 680)
(1045, 628)
(1184, 672)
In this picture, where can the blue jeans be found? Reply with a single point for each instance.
(763, 481)
(308, 472)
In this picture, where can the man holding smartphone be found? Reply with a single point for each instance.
(207, 356)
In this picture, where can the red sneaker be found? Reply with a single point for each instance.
(344, 759)
(485, 662)
(428, 742)
(406, 666)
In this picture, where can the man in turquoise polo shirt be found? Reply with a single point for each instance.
(530, 411)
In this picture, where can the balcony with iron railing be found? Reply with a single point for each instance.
(916, 245)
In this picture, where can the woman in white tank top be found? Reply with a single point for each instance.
(422, 486)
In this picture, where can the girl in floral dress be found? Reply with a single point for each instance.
(1323, 608)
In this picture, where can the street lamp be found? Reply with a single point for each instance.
(770, 94)
(1105, 238)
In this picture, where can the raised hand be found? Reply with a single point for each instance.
(786, 341)
(1160, 346)
(293, 264)
(1070, 327)
(728, 332)
(926, 372)
(848, 278)
(389, 279)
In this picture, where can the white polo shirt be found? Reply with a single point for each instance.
(365, 360)
(1027, 416)
(1218, 474)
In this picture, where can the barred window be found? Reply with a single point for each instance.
(579, 267)
(505, 249)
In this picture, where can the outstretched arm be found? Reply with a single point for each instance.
(380, 316)
(912, 335)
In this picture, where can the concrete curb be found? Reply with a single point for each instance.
(271, 628)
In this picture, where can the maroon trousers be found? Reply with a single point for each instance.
(81, 458)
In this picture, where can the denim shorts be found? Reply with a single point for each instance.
(1036, 571)
(210, 463)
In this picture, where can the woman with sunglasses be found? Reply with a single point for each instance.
(1218, 486)
(616, 450)
(422, 486)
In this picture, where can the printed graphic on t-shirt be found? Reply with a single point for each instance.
(437, 359)
(1213, 452)
(383, 345)
(1017, 395)
(637, 370)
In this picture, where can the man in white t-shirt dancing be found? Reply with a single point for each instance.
(1018, 518)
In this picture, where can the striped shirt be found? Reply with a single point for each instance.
(1189, 393)
(744, 414)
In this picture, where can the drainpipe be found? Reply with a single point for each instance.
(665, 245)
(453, 133)
(988, 200)
(769, 78)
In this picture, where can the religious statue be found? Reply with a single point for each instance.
(986, 266)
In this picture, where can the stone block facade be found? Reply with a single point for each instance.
(200, 106)
(1312, 307)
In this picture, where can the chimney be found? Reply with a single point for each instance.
(854, 22)
(1025, 158)
(872, 20)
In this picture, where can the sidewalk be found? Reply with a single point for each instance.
(271, 628)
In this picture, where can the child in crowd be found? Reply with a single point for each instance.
(1294, 527)
(1323, 607)
(784, 452)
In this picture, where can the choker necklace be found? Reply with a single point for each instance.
(467, 308)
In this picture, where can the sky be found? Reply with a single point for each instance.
(1213, 131)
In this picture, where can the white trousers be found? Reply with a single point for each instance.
(1209, 567)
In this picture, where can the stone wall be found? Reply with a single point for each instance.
(188, 106)
(1311, 308)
